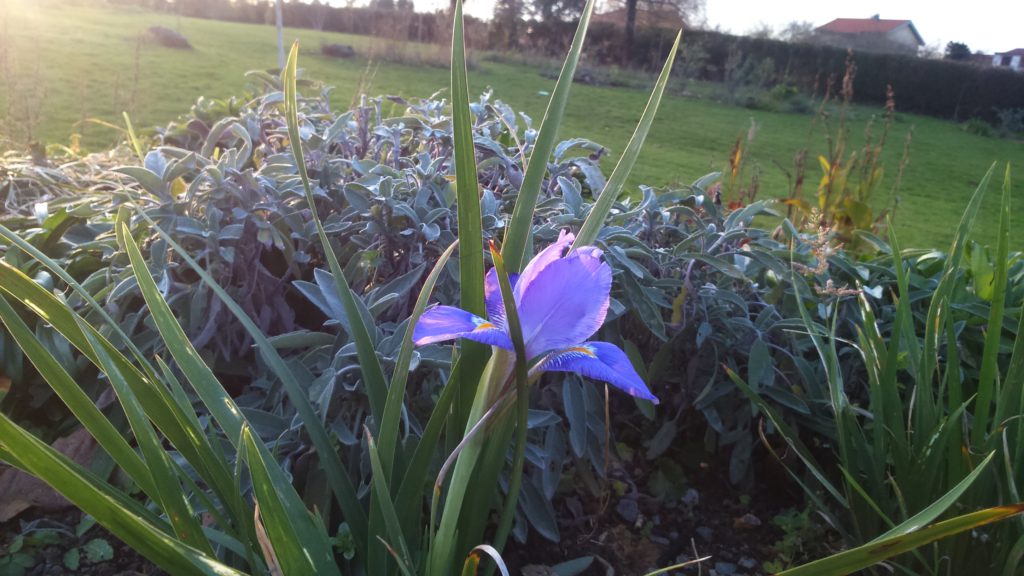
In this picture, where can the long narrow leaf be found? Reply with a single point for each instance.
(595, 220)
(396, 393)
(108, 437)
(300, 544)
(105, 506)
(471, 252)
(993, 338)
(387, 506)
(870, 554)
(373, 375)
(522, 400)
(156, 401)
(164, 471)
(337, 477)
(518, 242)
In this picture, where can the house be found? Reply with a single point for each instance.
(654, 17)
(1014, 59)
(871, 35)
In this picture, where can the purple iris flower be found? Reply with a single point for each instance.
(562, 299)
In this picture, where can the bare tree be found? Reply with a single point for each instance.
(762, 30)
(797, 31)
(691, 12)
(318, 14)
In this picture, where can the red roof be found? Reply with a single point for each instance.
(867, 26)
(861, 25)
(1016, 52)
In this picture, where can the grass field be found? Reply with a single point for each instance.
(67, 63)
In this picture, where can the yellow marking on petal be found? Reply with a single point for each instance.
(484, 326)
(583, 350)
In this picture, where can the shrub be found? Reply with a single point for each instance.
(337, 50)
(169, 38)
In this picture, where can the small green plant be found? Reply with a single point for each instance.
(803, 538)
(978, 127)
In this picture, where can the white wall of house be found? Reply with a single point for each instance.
(1014, 62)
(903, 35)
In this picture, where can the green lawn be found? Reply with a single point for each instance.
(85, 62)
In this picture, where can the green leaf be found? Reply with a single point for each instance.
(471, 251)
(994, 334)
(518, 243)
(337, 476)
(396, 393)
(373, 374)
(603, 205)
(387, 507)
(872, 553)
(935, 509)
(122, 516)
(72, 559)
(108, 437)
(98, 550)
(299, 541)
(165, 473)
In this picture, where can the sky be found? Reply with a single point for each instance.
(986, 25)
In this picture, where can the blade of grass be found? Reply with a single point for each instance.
(870, 554)
(396, 393)
(164, 472)
(522, 401)
(603, 204)
(108, 437)
(105, 505)
(935, 509)
(156, 401)
(337, 476)
(132, 139)
(299, 540)
(981, 426)
(387, 506)
(471, 250)
(410, 491)
(373, 374)
(789, 436)
(518, 241)
(925, 394)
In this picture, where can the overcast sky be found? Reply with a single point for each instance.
(986, 25)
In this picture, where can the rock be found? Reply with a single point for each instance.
(705, 533)
(628, 509)
(169, 38)
(337, 50)
(725, 568)
(746, 522)
(748, 563)
(691, 498)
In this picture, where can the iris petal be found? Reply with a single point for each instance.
(442, 323)
(600, 361)
(541, 261)
(565, 303)
(492, 295)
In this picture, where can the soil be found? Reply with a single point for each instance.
(630, 523)
(635, 533)
(50, 535)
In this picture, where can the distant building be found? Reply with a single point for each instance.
(1014, 59)
(871, 35)
(645, 18)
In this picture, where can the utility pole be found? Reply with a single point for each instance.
(280, 35)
